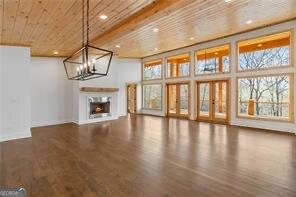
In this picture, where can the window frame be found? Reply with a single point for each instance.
(161, 70)
(178, 77)
(217, 73)
(290, 119)
(291, 52)
(161, 96)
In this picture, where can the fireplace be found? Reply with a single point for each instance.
(99, 107)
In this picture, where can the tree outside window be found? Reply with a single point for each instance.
(264, 96)
(152, 96)
(265, 52)
(152, 70)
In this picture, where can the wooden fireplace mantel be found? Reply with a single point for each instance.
(98, 89)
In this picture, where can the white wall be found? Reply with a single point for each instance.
(129, 71)
(280, 126)
(15, 92)
(55, 99)
(36, 92)
(51, 92)
(122, 71)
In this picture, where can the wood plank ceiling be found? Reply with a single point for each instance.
(55, 25)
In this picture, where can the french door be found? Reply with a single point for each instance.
(178, 100)
(132, 98)
(212, 101)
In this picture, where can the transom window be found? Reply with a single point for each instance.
(212, 60)
(152, 94)
(265, 52)
(152, 70)
(178, 66)
(266, 97)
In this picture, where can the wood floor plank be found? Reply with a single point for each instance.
(142, 155)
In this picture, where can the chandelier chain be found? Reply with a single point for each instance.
(82, 6)
(87, 23)
(84, 62)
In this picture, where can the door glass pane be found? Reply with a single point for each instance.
(172, 97)
(131, 99)
(184, 99)
(220, 100)
(204, 99)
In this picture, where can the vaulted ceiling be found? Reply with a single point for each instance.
(140, 27)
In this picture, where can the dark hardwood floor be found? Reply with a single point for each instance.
(151, 156)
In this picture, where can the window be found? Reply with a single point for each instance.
(152, 96)
(212, 60)
(267, 97)
(178, 66)
(152, 70)
(265, 52)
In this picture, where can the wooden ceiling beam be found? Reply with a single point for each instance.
(148, 14)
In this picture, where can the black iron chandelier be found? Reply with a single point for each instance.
(88, 62)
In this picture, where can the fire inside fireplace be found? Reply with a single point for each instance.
(99, 107)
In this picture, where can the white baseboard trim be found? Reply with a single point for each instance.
(82, 122)
(49, 123)
(287, 128)
(152, 112)
(15, 135)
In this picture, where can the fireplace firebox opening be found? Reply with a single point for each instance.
(99, 107)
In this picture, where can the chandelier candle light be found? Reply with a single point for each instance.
(88, 62)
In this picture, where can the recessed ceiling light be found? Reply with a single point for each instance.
(260, 45)
(155, 49)
(117, 46)
(227, 1)
(156, 30)
(55, 52)
(191, 38)
(103, 17)
(249, 22)
(216, 53)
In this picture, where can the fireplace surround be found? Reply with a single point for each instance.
(95, 104)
